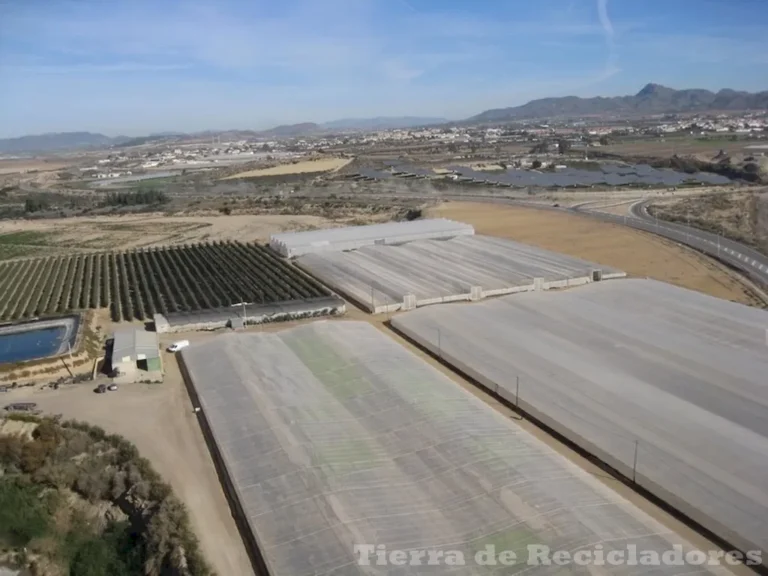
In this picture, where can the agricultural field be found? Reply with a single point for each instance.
(306, 167)
(707, 148)
(24, 243)
(139, 283)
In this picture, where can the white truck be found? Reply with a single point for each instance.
(176, 346)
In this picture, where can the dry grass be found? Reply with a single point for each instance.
(741, 216)
(305, 167)
(637, 253)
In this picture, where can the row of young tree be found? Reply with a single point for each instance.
(139, 283)
(137, 198)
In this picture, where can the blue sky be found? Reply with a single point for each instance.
(140, 66)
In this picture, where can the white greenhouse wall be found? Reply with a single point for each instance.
(292, 244)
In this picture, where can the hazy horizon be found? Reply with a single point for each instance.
(135, 68)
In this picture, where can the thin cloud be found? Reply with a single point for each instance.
(121, 68)
(605, 21)
(611, 66)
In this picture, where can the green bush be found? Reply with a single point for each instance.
(116, 552)
(23, 512)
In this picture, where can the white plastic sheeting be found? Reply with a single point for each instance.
(633, 369)
(381, 278)
(348, 238)
(335, 435)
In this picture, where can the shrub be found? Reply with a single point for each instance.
(23, 513)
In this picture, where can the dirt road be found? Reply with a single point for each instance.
(160, 421)
(637, 253)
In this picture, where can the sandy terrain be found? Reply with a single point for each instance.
(122, 232)
(638, 253)
(306, 167)
(159, 420)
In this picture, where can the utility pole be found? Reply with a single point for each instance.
(517, 392)
(439, 347)
(242, 303)
(634, 465)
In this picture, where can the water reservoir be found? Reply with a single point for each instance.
(36, 340)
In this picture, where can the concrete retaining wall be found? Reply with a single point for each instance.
(254, 314)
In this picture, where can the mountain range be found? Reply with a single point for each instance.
(351, 124)
(652, 99)
(58, 142)
(63, 141)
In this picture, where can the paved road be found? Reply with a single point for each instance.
(746, 259)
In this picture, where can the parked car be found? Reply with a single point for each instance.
(112, 387)
(176, 346)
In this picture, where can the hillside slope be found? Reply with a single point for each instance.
(652, 99)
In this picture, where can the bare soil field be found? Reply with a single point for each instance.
(637, 253)
(136, 231)
(305, 167)
(25, 165)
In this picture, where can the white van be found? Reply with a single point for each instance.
(176, 346)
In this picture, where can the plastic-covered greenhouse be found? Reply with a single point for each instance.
(389, 278)
(333, 435)
(666, 385)
(350, 237)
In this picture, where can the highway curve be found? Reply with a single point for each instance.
(743, 258)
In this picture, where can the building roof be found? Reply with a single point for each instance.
(138, 344)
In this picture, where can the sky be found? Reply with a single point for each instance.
(142, 66)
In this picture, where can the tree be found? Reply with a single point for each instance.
(540, 148)
(35, 205)
(563, 146)
(536, 164)
(604, 140)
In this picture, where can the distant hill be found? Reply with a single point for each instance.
(652, 99)
(57, 142)
(382, 123)
(378, 123)
(292, 130)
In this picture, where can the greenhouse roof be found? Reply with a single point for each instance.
(351, 237)
(333, 435)
(666, 385)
